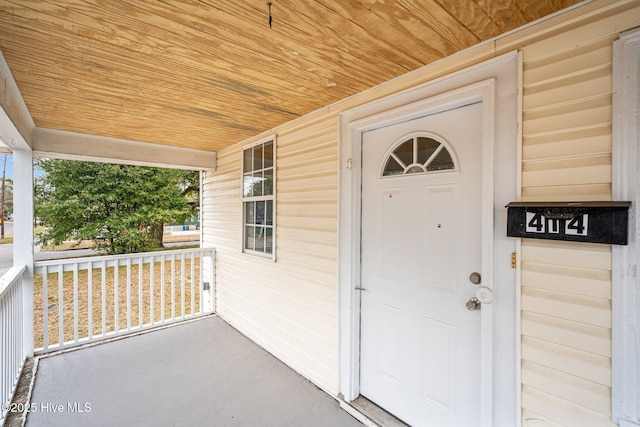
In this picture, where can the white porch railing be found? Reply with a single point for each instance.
(81, 300)
(11, 335)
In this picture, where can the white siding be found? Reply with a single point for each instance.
(290, 306)
(566, 287)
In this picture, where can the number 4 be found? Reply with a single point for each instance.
(535, 223)
(577, 226)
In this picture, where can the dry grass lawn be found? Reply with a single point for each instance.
(145, 302)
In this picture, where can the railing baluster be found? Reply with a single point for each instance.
(20, 356)
(45, 308)
(103, 278)
(140, 305)
(4, 366)
(10, 342)
(60, 306)
(75, 303)
(128, 294)
(116, 297)
(173, 286)
(5, 340)
(5, 331)
(18, 353)
(90, 299)
(4, 326)
(182, 268)
(193, 293)
(19, 350)
(152, 272)
(162, 287)
(200, 282)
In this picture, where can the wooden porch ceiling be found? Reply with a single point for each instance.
(205, 74)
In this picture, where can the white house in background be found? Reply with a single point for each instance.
(350, 242)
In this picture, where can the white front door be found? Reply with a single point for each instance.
(421, 241)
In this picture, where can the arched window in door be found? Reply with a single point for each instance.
(418, 154)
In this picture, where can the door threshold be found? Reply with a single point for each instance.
(375, 414)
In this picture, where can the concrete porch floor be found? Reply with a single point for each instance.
(201, 373)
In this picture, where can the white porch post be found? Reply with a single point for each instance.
(23, 235)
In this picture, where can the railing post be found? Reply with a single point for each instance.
(207, 279)
(23, 236)
(212, 280)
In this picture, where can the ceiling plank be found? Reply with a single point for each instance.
(182, 52)
(209, 73)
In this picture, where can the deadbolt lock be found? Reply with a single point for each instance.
(475, 278)
(473, 304)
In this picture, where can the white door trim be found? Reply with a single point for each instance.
(626, 259)
(495, 84)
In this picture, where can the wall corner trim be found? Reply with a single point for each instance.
(626, 259)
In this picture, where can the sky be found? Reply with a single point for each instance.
(10, 167)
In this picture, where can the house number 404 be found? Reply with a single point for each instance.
(576, 226)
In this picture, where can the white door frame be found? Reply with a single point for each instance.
(496, 84)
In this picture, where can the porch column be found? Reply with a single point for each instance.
(23, 235)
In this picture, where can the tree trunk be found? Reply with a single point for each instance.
(157, 233)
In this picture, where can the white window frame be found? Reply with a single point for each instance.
(272, 197)
(626, 259)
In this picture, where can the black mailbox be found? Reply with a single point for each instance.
(595, 222)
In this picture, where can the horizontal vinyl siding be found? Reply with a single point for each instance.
(567, 123)
(289, 306)
(566, 156)
(566, 287)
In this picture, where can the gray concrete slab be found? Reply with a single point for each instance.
(202, 373)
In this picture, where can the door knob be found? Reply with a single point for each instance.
(473, 304)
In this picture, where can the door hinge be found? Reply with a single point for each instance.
(514, 258)
(349, 164)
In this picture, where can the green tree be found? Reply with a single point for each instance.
(119, 207)
(8, 198)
